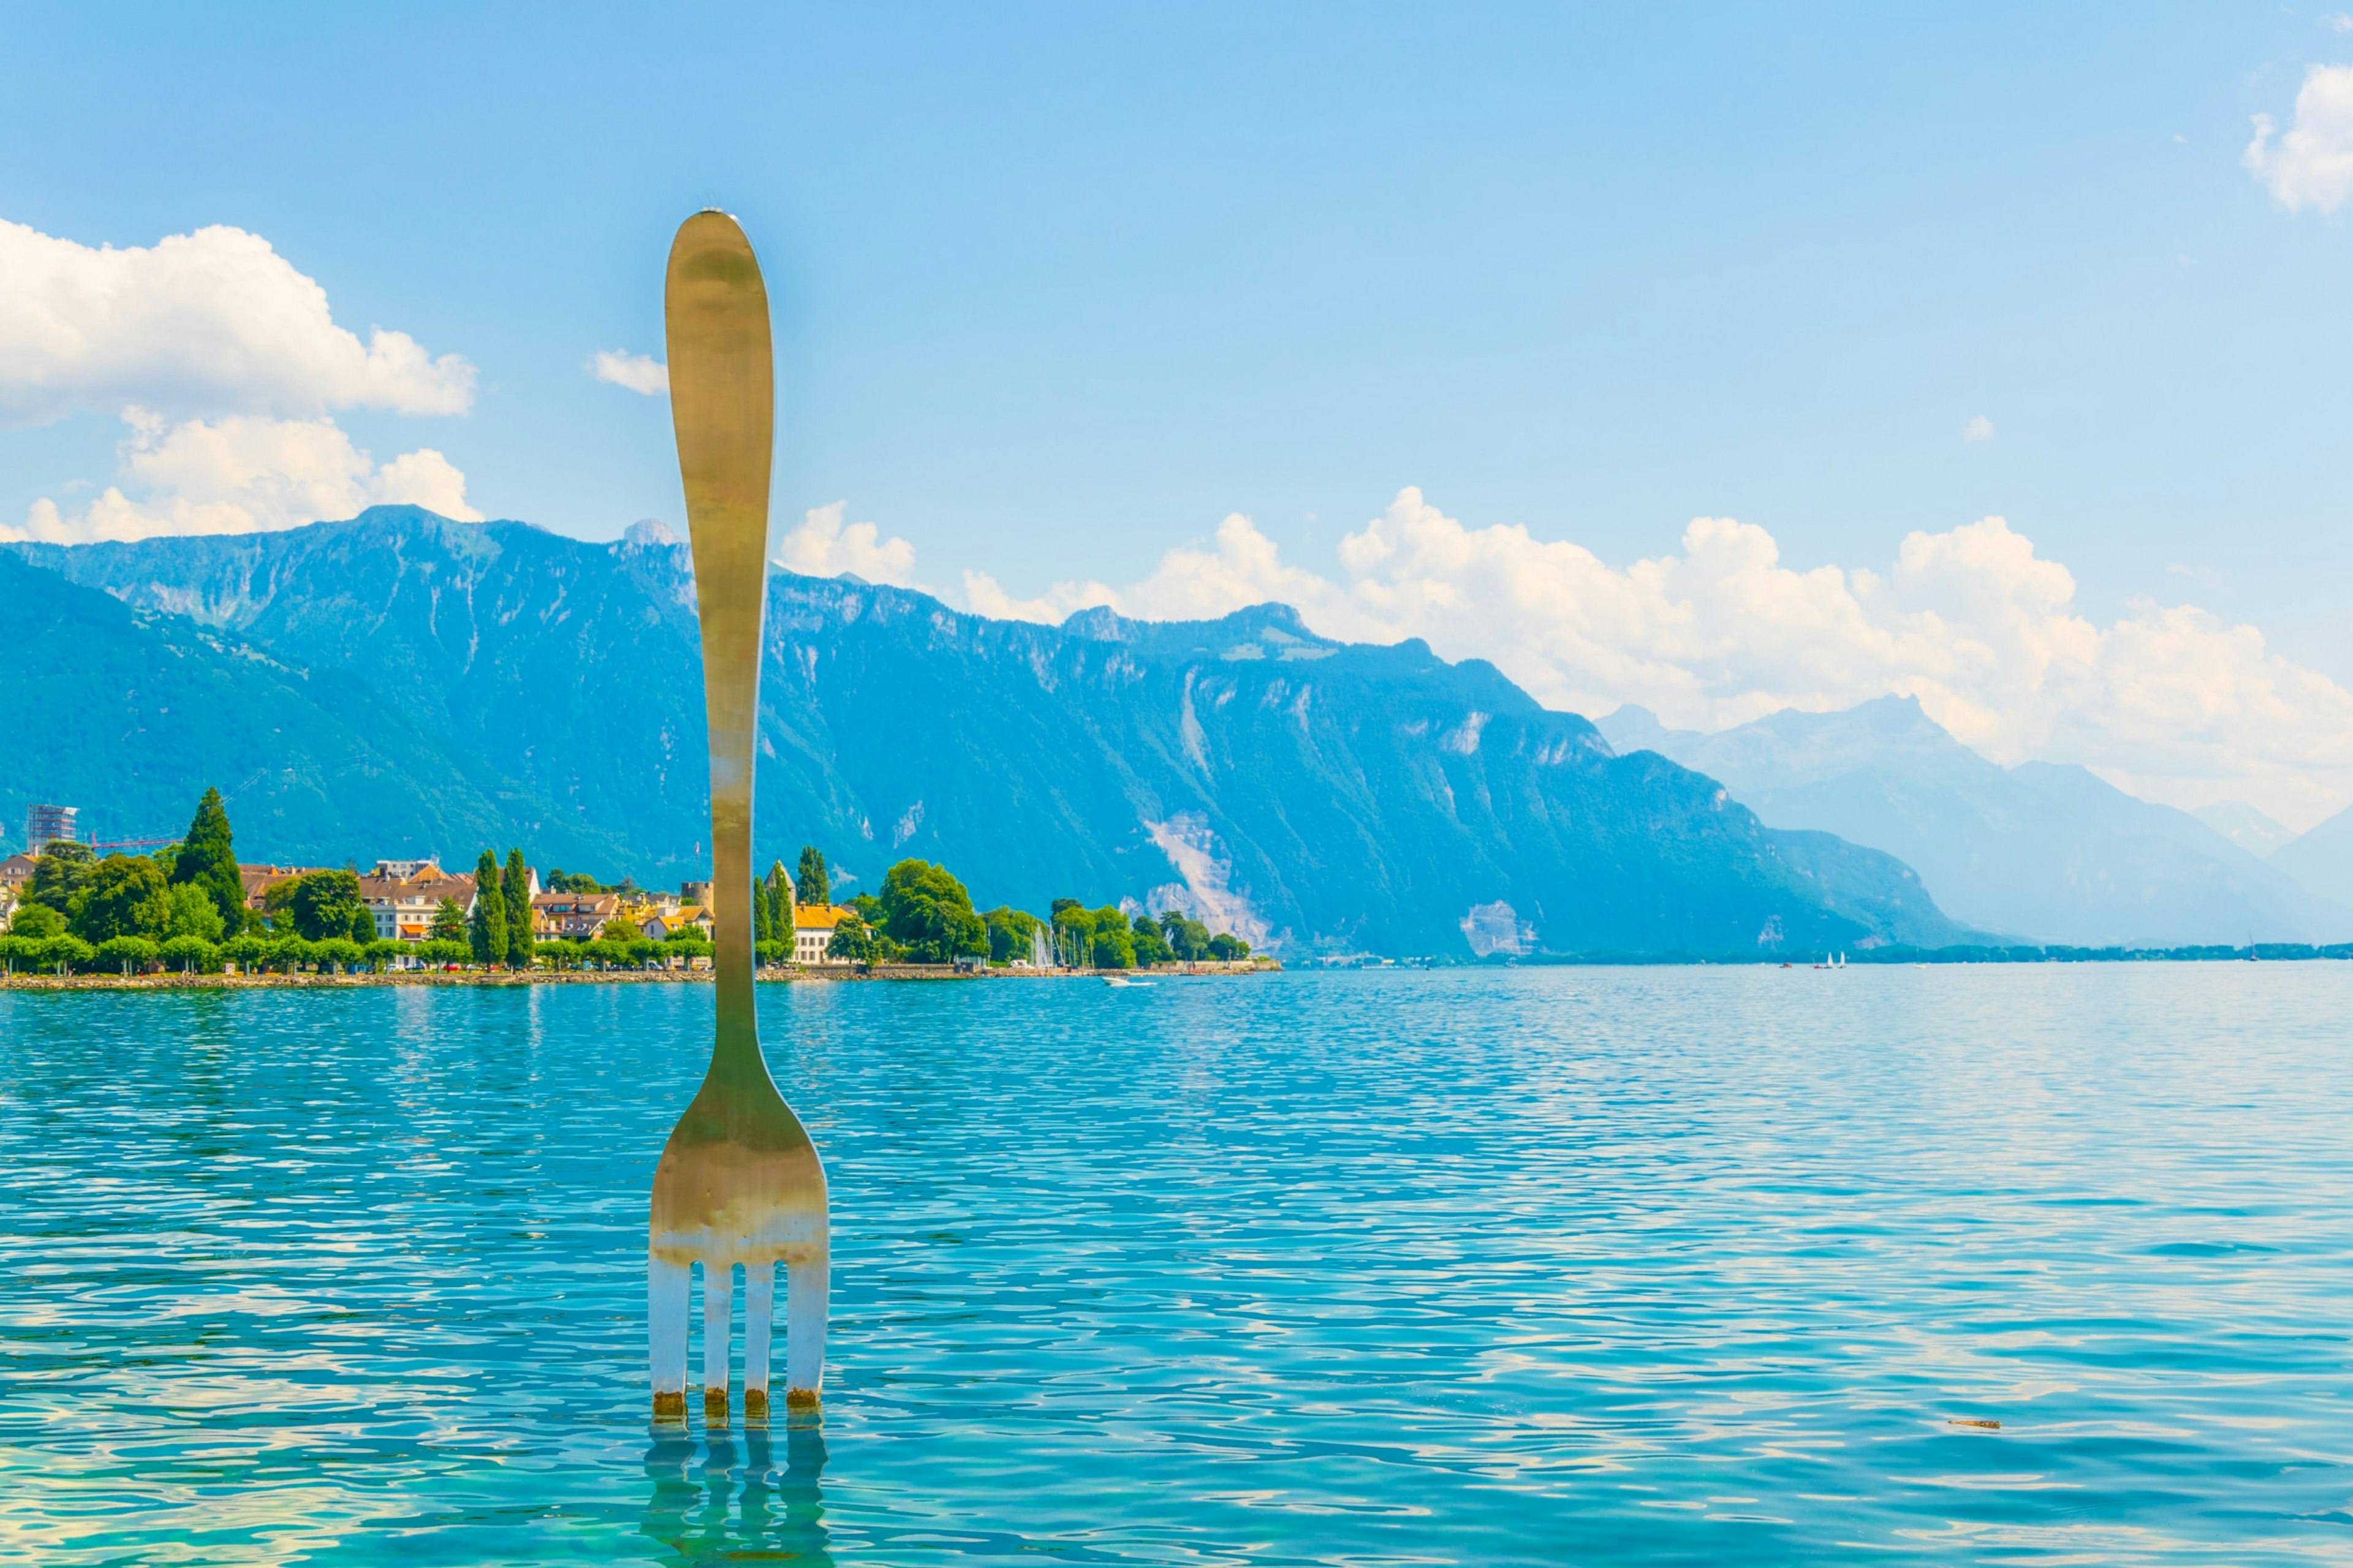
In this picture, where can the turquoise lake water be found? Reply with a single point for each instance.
(1688, 1266)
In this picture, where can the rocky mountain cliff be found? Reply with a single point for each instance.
(1317, 795)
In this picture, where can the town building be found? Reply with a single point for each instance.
(258, 879)
(686, 917)
(640, 904)
(403, 904)
(812, 929)
(16, 877)
(579, 917)
(46, 825)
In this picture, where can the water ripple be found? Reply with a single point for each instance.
(1644, 1267)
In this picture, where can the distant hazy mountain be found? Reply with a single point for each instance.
(2045, 851)
(2322, 859)
(2245, 826)
(1332, 797)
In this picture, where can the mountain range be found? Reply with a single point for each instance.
(2321, 857)
(402, 685)
(2045, 851)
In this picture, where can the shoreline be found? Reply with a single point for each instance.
(905, 972)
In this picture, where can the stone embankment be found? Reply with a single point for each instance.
(172, 981)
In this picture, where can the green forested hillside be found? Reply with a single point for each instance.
(131, 715)
(1320, 795)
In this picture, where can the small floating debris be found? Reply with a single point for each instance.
(1971, 1421)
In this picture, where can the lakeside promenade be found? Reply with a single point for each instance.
(829, 975)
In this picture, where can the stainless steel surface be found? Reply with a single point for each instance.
(739, 1181)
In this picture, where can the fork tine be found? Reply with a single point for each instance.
(759, 1318)
(718, 1294)
(806, 1289)
(667, 1289)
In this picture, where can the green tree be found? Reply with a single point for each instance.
(1114, 940)
(323, 904)
(449, 922)
(1074, 932)
(1151, 946)
(381, 950)
(813, 884)
(207, 859)
(440, 949)
(340, 953)
(489, 927)
(1223, 946)
(58, 874)
(1188, 938)
(928, 912)
(562, 881)
(190, 954)
(763, 916)
(124, 896)
(515, 883)
(67, 952)
(853, 942)
(688, 947)
(780, 892)
(1008, 933)
(869, 910)
(247, 950)
(194, 912)
(37, 921)
(125, 954)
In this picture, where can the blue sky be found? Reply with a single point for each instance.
(1060, 288)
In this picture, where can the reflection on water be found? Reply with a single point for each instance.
(722, 1498)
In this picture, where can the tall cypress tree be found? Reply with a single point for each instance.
(812, 884)
(779, 897)
(763, 916)
(489, 930)
(208, 858)
(516, 885)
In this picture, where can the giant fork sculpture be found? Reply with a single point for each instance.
(739, 1181)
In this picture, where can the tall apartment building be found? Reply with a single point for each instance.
(47, 824)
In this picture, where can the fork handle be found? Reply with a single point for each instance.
(722, 405)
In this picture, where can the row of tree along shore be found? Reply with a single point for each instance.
(185, 910)
(924, 915)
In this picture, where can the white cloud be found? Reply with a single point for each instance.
(822, 547)
(982, 594)
(209, 322)
(1977, 429)
(639, 372)
(2167, 700)
(241, 473)
(2311, 165)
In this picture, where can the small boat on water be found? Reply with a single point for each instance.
(1117, 980)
